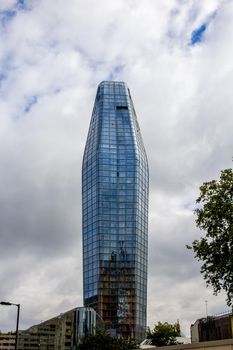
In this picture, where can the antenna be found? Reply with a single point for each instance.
(206, 307)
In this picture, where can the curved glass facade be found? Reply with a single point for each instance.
(115, 213)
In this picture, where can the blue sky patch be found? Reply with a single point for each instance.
(6, 16)
(23, 5)
(115, 72)
(31, 100)
(21, 2)
(196, 35)
(2, 76)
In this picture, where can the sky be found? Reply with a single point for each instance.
(176, 58)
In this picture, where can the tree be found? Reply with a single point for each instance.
(164, 334)
(214, 215)
(102, 341)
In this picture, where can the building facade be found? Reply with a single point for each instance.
(212, 328)
(62, 332)
(7, 341)
(115, 213)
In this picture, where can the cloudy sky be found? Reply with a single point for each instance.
(176, 57)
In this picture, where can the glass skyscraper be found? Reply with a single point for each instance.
(115, 213)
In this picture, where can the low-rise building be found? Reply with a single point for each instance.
(7, 341)
(212, 328)
(62, 332)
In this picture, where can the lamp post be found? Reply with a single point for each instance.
(17, 321)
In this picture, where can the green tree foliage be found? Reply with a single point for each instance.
(102, 341)
(215, 217)
(164, 334)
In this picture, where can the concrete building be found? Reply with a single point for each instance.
(115, 213)
(212, 328)
(7, 341)
(59, 333)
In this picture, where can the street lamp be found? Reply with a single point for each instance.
(17, 321)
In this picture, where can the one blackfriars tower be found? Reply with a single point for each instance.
(115, 213)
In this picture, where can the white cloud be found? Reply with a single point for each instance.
(55, 55)
(6, 4)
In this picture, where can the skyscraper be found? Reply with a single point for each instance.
(115, 213)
